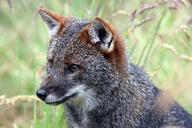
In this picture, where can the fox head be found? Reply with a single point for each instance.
(85, 59)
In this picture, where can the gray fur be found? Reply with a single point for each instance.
(106, 101)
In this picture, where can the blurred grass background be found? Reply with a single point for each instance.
(157, 34)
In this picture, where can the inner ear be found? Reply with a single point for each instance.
(100, 33)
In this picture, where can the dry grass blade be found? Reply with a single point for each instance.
(135, 13)
(186, 58)
(120, 12)
(184, 2)
(187, 35)
(174, 51)
(170, 48)
(155, 71)
(141, 23)
(184, 44)
(10, 6)
(146, 8)
(14, 100)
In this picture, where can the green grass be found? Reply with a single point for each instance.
(24, 41)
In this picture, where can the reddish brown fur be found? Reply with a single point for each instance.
(117, 55)
(84, 36)
(60, 18)
(47, 80)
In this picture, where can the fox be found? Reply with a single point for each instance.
(88, 71)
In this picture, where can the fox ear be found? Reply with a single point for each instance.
(54, 22)
(101, 33)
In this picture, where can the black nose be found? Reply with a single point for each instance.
(42, 94)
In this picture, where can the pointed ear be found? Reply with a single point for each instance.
(101, 32)
(53, 21)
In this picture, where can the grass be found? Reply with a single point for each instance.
(161, 45)
(155, 35)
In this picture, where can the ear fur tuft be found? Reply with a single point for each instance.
(53, 21)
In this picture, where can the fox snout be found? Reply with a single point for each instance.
(42, 94)
(54, 93)
(50, 91)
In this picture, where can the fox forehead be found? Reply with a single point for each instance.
(68, 48)
(68, 38)
(70, 32)
(84, 38)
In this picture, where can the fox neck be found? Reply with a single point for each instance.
(85, 114)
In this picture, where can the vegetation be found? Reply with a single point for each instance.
(158, 36)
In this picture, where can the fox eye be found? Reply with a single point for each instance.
(72, 68)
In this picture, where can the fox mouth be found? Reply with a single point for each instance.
(61, 100)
